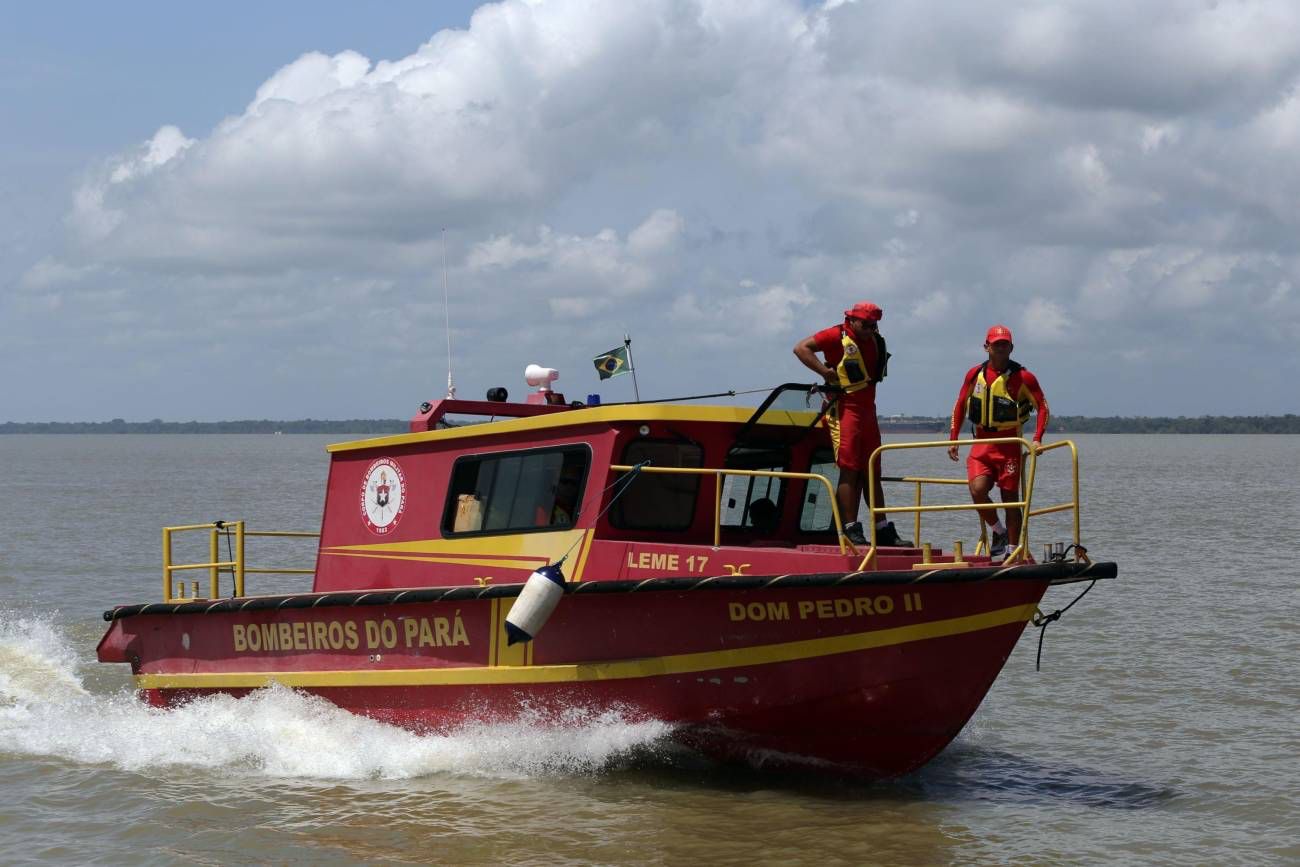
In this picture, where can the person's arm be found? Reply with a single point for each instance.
(1035, 390)
(958, 414)
(806, 351)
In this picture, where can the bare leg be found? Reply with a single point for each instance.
(848, 494)
(880, 493)
(1013, 518)
(979, 494)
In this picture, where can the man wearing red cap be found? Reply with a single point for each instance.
(998, 397)
(855, 361)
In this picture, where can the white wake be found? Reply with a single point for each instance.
(45, 710)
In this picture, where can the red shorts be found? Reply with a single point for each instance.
(1000, 460)
(855, 433)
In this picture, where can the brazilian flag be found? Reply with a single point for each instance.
(612, 363)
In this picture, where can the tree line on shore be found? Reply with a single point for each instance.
(1072, 424)
(247, 426)
(1206, 424)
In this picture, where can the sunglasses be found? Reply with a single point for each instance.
(864, 323)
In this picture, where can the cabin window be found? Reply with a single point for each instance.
(513, 492)
(659, 501)
(743, 496)
(816, 515)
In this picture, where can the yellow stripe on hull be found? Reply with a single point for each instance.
(518, 551)
(685, 663)
(448, 561)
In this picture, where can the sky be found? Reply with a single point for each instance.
(243, 211)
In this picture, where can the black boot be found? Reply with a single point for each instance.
(887, 537)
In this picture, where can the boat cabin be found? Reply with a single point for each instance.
(523, 484)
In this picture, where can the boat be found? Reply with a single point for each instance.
(673, 561)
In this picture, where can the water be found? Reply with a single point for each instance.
(1161, 729)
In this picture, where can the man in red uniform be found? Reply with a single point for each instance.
(855, 361)
(998, 396)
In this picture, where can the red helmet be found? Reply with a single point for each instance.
(864, 310)
(996, 333)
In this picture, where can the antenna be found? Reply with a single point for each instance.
(446, 311)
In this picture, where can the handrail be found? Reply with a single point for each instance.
(718, 473)
(215, 566)
(920, 480)
(1022, 544)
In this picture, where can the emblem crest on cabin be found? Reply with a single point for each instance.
(383, 496)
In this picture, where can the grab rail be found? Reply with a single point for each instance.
(236, 565)
(1022, 544)
(718, 473)
(919, 481)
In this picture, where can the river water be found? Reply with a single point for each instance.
(1162, 728)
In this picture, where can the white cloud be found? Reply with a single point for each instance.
(763, 312)
(1156, 136)
(715, 174)
(907, 218)
(1195, 281)
(600, 265)
(774, 309)
(49, 272)
(166, 144)
(1046, 321)
(311, 78)
(933, 308)
(658, 235)
(336, 153)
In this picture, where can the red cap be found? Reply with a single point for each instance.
(998, 332)
(864, 310)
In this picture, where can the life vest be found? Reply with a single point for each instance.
(852, 372)
(997, 405)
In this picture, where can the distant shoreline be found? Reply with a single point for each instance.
(1246, 424)
(1072, 424)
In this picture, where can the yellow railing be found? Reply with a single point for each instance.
(1025, 504)
(235, 533)
(717, 493)
(920, 481)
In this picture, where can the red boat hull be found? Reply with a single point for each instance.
(867, 680)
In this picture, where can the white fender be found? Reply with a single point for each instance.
(534, 606)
